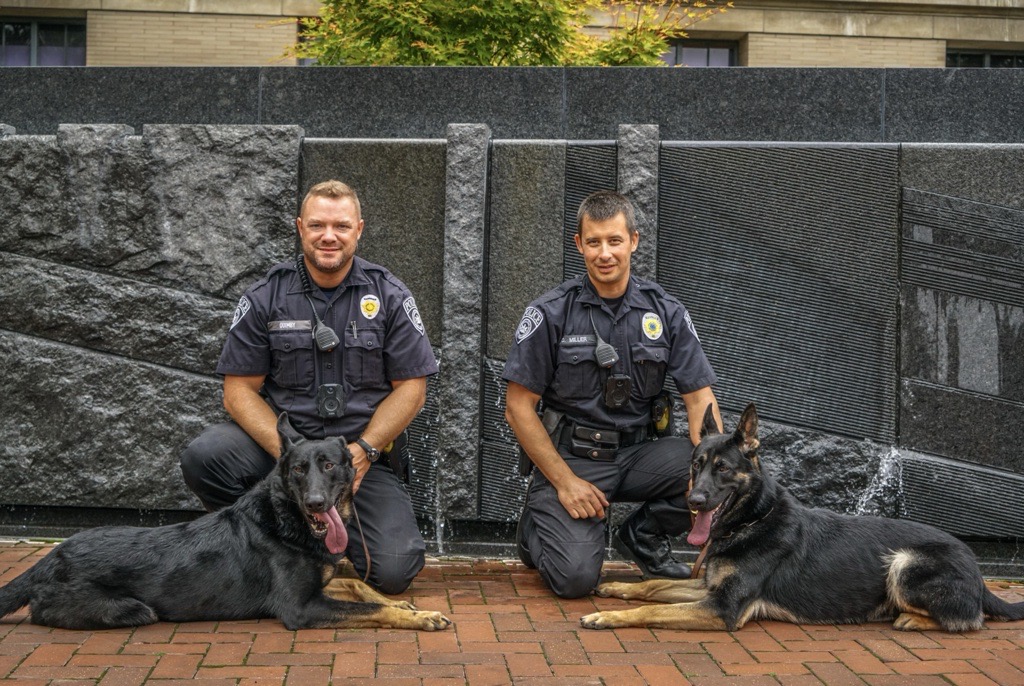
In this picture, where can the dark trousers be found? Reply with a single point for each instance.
(223, 462)
(569, 552)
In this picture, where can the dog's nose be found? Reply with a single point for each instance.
(315, 503)
(697, 500)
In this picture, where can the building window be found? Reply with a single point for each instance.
(30, 43)
(977, 58)
(701, 53)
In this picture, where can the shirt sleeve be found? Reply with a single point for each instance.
(531, 360)
(407, 351)
(688, 365)
(246, 349)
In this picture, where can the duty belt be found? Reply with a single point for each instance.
(599, 444)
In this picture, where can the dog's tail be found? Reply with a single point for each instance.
(19, 592)
(995, 607)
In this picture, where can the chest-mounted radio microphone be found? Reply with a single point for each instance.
(324, 336)
(604, 352)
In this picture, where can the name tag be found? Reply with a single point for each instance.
(298, 325)
(579, 338)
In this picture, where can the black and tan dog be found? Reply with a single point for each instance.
(769, 557)
(271, 554)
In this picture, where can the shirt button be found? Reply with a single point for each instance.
(575, 357)
(287, 346)
(330, 366)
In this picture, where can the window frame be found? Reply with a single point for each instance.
(33, 46)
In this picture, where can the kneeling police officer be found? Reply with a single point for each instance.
(595, 351)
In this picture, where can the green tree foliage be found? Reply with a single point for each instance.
(495, 32)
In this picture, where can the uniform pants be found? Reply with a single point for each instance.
(569, 552)
(223, 462)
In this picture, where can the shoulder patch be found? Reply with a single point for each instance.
(690, 326)
(532, 320)
(414, 314)
(240, 311)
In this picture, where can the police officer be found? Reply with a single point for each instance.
(338, 343)
(596, 350)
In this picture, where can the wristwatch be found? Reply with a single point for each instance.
(372, 454)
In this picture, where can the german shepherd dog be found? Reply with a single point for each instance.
(769, 557)
(271, 554)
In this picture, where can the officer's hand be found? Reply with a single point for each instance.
(360, 463)
(582, 499)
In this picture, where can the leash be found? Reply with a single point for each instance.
(362, 539)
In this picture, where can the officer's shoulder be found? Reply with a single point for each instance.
(652, 288)
(378, 273)
(560, 291)
(281, 270)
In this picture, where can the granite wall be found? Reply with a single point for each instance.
(863, 289)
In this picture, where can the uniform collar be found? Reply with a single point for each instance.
(356, 276)
(632, 298)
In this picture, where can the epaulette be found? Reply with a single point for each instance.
(561, 290)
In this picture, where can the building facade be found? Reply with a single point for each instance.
(755, 33)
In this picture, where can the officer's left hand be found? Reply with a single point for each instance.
(360, 463)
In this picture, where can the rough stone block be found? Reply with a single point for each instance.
(462, 337)
(108, 314)
(525, 237)
(93, 430)
(638, 151)
(30, 194)
(223, 201)
(401, 187)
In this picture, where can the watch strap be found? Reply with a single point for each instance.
(371, 453)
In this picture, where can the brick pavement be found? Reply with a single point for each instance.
(508, 630)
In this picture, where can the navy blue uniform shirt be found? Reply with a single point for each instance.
(382, 340)
(553, 353)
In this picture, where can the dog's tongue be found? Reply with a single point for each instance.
(337, 535)
(700, 532)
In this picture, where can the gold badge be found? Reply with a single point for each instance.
(652, 326)
(369, 306)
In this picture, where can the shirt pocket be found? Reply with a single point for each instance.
(649, 365)
(364, 358)
(577, 374)
(291, 359)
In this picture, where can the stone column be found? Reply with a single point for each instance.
(462, 339)
(638, 148)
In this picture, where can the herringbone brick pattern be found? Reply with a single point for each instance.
(508, 630)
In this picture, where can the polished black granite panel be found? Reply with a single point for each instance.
(752, 104)
(418, 102)
(962, 425)
(963, 105)
(35, 100)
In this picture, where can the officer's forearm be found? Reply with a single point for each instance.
(395, 412)
(521, 414)
(250, 411)
(696, 404)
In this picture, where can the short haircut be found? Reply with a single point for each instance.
(334, 190)
(604, 205)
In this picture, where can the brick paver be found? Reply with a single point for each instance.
(508, 630)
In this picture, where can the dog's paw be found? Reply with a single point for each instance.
(403, 605)
(432, 621)
(597, 620)
(614, 589)
(910, 621)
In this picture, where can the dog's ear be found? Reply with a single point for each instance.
(746, 432)
(709, 427)
(289, 436)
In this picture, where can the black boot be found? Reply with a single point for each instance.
(639, 538)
